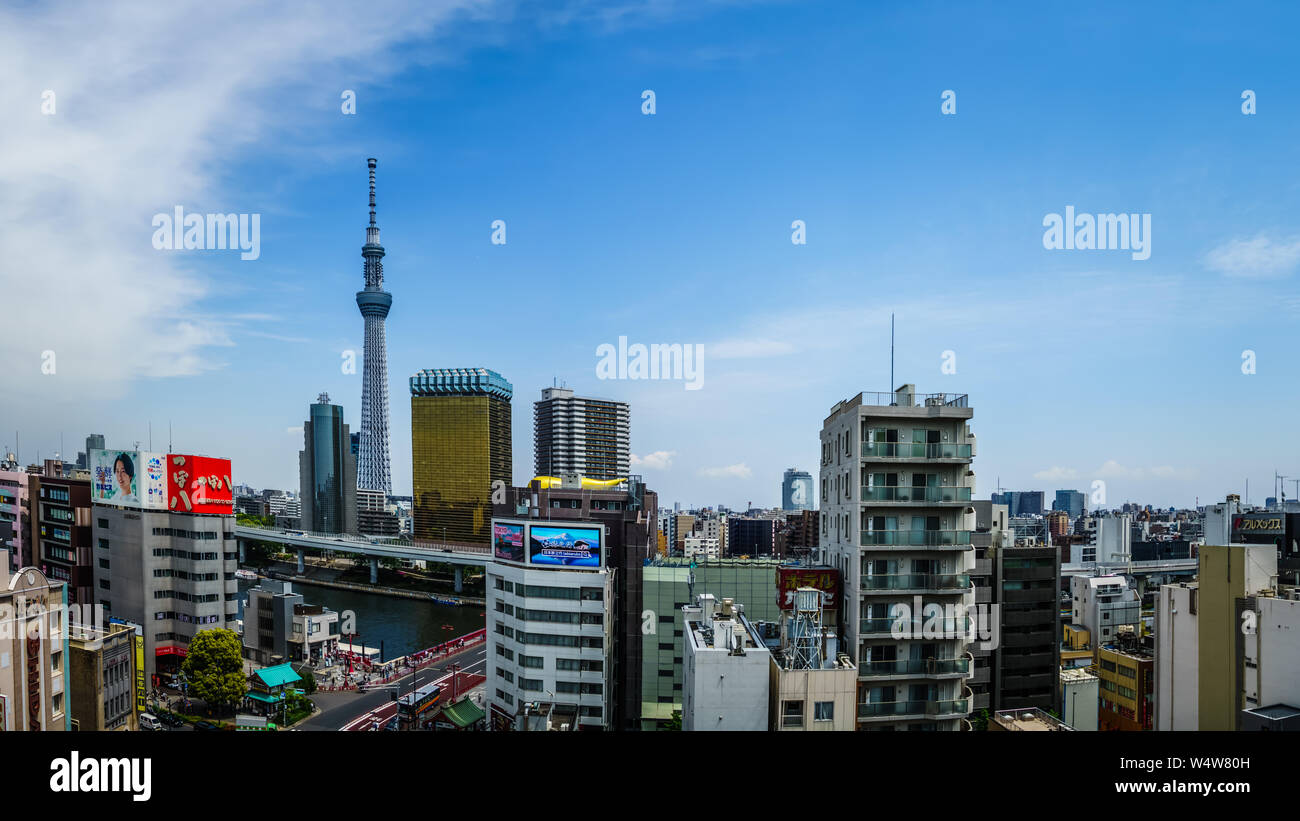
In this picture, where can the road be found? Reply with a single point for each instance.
(337, 710)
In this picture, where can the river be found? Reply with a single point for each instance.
(397, 624)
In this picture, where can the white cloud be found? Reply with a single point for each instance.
(1261, 257)
(1055, 473)
(1114, 470)
(153, 105)
(293, 430)
(659, 460)
(738, 471)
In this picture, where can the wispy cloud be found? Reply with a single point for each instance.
(1261, 257)
(738, 471)
(659, 460)
(1056, 474)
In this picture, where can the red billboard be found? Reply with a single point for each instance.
(790, 579)
(199, 484)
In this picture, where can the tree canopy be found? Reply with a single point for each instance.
(215, 667)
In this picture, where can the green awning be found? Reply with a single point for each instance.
(464, 713)
(264, 697)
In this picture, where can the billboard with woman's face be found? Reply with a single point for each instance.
(128, 478)
(554, 546)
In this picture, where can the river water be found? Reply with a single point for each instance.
(397, 624)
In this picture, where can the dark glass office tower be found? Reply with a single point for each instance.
(327, 471)
(460, 445)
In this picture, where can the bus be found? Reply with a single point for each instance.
(415, 710)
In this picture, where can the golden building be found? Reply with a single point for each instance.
(460, 446)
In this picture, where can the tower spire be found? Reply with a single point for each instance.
(373, 470)
(372, 162)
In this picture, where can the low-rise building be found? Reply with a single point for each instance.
(1080, 692)
(104, 692)
(32, 658)
(813, 686)
(1126, 669)
(1034, 720)
(726, 668)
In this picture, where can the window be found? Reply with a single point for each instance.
(823, 711)
(103, 523)
(567, 687)
(532, 662)
(530, 684)
(792, 714)
(566, 664)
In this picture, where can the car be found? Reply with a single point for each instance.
(171, 720)
(204, 725)
(149, 722)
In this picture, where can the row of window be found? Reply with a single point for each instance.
(546, 592)
(167, 573)
(162, 615)
(182, 596)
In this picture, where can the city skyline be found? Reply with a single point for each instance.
(1088, 365)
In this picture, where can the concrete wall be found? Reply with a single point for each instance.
(1177, 655)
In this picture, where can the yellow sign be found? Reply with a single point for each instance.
(140, 691)
(1261, 524)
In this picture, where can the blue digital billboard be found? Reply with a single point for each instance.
(564, 546)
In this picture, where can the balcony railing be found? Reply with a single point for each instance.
(880, 709)
(947, 400)
(913, 667)
(915, 450)
(870, 627)
(914, 538)
(917, 581)
(902, 493)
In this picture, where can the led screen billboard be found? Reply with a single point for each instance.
(508, 541)
(128, 478)
(564, 546)
(199, 484)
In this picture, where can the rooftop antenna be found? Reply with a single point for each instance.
(891, 352)
(169, 436)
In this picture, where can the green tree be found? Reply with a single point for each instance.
(675, 723)
(980, 722)
(215, 668)
(308, 684)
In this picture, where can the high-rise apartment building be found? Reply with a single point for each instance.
(896, 521)
(327, 471)
(15, 521)
(575, 434)
(460, 447)
(797, 490)
(374, 303)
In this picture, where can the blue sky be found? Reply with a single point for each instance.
(671, 228)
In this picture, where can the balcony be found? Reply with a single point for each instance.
(881, 451)
(955, 708)
(902, 494)
(914, 668)
(871, 628)
(956, 539)
(918, 582)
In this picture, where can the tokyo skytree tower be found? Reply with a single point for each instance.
(373, 472)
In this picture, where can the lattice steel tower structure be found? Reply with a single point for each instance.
(373, 471)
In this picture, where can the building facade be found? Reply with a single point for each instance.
(726, 670)
(460, 447)
(549, 636)
(60, 531)
(896, 518)
(327, 471)
(797, 490)
(102, 679)
(32, 659)
(575, 434)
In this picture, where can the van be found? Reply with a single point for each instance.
(149, 722)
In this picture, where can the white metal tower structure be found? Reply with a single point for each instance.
(806, 634)
(373, 471)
